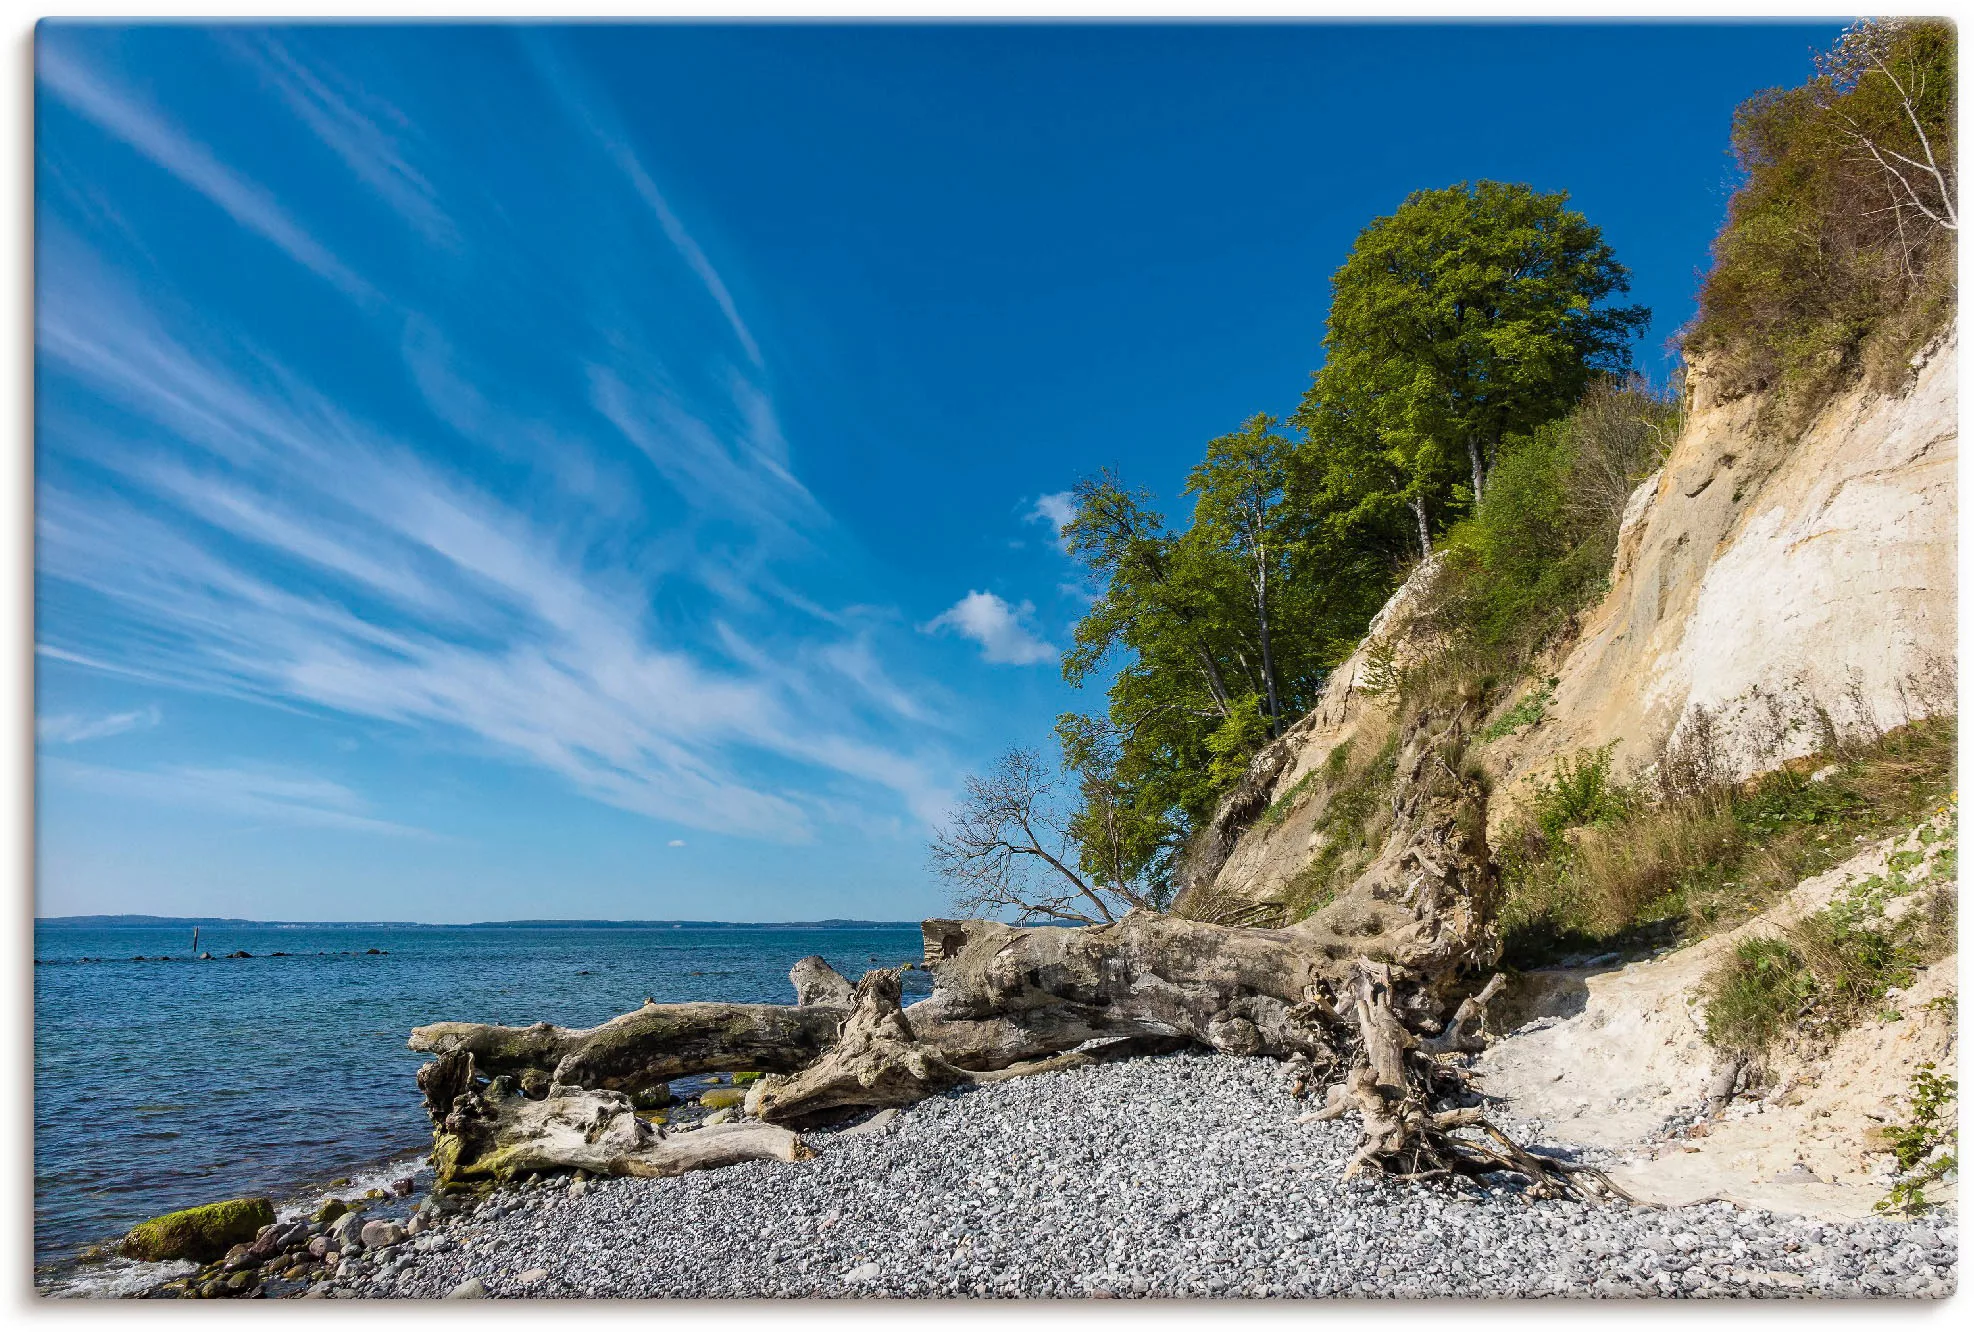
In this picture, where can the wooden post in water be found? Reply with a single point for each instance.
(195, 943)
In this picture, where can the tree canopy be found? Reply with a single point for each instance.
(1470, 314)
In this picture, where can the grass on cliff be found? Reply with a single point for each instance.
(1351, 828)
(1599, 864)
(1817, 977)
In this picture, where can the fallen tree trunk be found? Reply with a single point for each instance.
(1356, 995)
(659, 1042)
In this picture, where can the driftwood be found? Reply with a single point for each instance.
(659, 1042)
(1356, 996)
(490, 1131)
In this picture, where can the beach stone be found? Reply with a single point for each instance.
(857, 1276)
(201, 1234)
(472, 1288)
(402, 1187)
(533, 1276)
(382, 1234)
(275, 1238)
(329, 1211)
(319, 1246)
(347, 1232)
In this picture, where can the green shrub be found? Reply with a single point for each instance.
(1825, 266)
(1755, 995)
(1536, 550)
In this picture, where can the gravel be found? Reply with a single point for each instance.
(1179, 1176)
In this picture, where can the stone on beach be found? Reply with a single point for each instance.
(382, 1234)
(1184, 1176)
(201, 1234)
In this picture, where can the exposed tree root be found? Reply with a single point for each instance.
(1356, 995)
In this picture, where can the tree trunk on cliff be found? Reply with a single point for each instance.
(1425, 532)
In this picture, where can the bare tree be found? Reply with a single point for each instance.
(1008, 846)
(1917, 181)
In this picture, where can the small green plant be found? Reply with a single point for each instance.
(1926, 1147)
(1581, 794)
(1527, 712)
(1755, 995)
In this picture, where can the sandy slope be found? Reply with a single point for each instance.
(1607, 1057)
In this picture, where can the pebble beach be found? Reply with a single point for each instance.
(1183, 1176)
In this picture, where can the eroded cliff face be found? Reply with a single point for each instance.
(1762, 579)
(1766, 579)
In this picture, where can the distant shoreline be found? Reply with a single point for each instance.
(186, 922)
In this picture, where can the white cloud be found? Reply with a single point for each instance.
(257, 794)
(675, 842)
(1057, 510)
(366, 132)
(998, 627)
(289, 553)
(592, 114)
(70, 729)
(191, 162)
(595, 584)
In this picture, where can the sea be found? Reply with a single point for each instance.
(161, 1081)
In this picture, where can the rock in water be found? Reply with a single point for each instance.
(201, 1234)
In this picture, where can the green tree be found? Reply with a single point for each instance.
(1470, 314)
(1240, 514)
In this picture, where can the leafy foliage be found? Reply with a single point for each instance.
(1469, 315)
(1926, 1147)
(1838, 252)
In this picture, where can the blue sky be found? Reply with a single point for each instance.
(608, 471)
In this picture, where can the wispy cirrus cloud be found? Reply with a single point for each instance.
(366, 132)
(1001, 629)
(154, 136)
(585, 566)
(69, 728)
(593, 115)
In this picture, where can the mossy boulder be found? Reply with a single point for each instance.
(742, 1079)
(719, 1098)
(329, 1211)
(201, 1234)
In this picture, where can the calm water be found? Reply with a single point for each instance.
(162, 1084)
